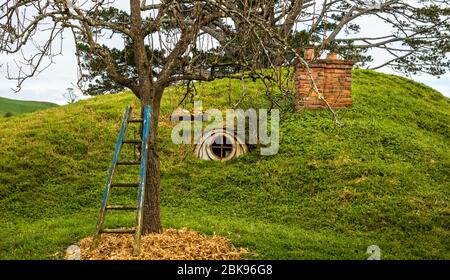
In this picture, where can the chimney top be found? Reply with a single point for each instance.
(332, 56)
(309, 53)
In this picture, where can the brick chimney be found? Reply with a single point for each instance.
(333, 78)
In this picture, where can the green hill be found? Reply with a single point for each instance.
(329, 193)
(19, 106)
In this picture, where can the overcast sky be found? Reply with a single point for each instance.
(53, 82)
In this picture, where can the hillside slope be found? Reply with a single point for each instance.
(330, 192)
(19, 106)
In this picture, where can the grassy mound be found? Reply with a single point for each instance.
(329, 193)
(17, 107)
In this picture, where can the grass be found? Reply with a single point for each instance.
(328, 194)
(17, 107)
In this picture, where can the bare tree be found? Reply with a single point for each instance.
(168, 41)
(70, 95)
(415, 35)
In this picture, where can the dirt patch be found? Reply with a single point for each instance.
(172, 244)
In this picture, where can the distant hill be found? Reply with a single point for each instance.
(17, 107)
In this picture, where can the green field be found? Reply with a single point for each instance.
(329, 193)
(17, 107)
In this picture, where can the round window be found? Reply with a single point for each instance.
(220, 145)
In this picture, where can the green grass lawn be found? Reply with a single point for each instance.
(17, 107)
(329, 193)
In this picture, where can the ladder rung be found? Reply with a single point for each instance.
(118, 230)
(121, 207)
(130, 162)
(134, 184)
(135, 120)
(132, 141)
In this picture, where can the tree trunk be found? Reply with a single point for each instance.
(152, 220)
(149, 95)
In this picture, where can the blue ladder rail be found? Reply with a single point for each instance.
(142, 178)
(137, 230)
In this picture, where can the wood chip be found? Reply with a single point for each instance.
(172, 244)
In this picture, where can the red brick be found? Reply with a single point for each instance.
(333, 79)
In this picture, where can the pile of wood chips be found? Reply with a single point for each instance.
(172, 244)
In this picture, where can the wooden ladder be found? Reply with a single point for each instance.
(145, 132)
